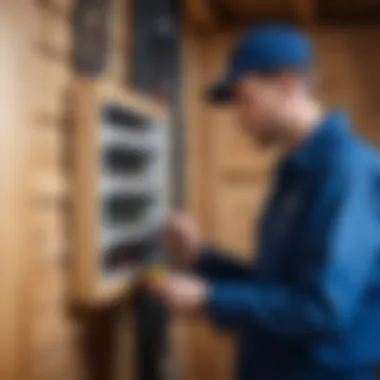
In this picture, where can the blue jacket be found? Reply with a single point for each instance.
(309, 307)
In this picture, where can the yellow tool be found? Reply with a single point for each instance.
(153, 276)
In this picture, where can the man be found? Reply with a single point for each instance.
(309, 308)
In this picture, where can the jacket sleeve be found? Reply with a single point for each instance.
(335, 286)
(215, 265)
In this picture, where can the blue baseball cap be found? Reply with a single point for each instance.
(265, 49)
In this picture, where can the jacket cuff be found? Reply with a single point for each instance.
(205, 261)
(222, 307)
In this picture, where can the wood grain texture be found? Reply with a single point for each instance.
(193, 108)
(16, 28)
(241, 13)
(84, 191)
(306, 11)
(121, 42)
(201, 16)
(127, 98)
(54, 351)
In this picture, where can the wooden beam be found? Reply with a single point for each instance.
(306, 12)
(240, 13)
(201, 15)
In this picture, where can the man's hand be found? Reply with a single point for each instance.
(182, 294)
(182, 239)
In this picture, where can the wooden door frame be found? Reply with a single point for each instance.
(16, 32)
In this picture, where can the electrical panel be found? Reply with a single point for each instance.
(121, 188)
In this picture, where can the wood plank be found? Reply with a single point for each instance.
(194, 107)
(49, 149)
(241, 13)
(306, 11)
(256, 8)
(119, 57)
(108, 91)
(55, 32)
(200, 15)
(83, 274)
(243, 203)
(53, 84)
(50, 187)
(16, 89)
(56, 8)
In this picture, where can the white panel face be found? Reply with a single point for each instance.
(133, 189)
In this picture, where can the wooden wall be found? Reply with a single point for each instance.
(68, 344)
(54, 351)
(229, 178)
(42, 336)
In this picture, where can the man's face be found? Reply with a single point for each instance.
(263, 107)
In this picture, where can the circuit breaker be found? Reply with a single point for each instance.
(120, 188)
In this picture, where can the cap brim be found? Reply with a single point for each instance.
(220, 92)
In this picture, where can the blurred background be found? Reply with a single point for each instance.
(62, 63)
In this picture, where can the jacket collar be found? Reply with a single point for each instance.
(333, 127)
